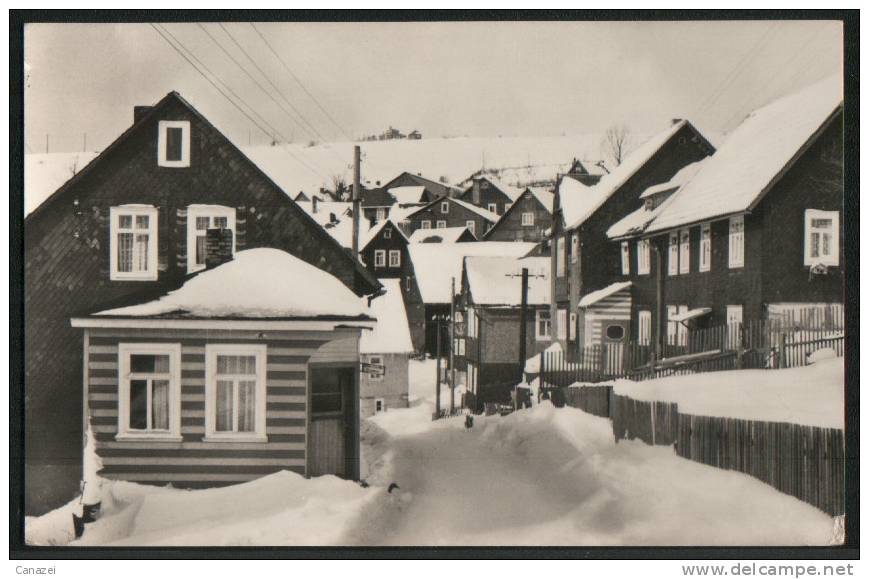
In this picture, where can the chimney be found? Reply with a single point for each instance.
(218, 247)
(139, 112)
(314, 199)
(475, 193)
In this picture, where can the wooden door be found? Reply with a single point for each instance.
(333, 422)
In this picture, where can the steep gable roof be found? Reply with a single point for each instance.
(445, 235)
(435, 188)
(509, 191)
(372, 233)
(484, 213)
(544, 197)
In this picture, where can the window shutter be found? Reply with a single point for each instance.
(241, 228)
(163, 238)
(181, 238)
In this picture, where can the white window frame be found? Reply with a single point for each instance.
(644, 258)
(681, 328)
(212, 351)
(379, 258)
(461, 346)
(574, 247)
(733, 316)
(493, 207)
(125, 350)
(705, 262)
(736, 242)
(571, 334)
(114, 230)
(425, 224)
(387, 233)
(559, 257)
(832, 259)
(211, 212)
(162, 141)
(626, 258)
(673, 254)
(562, 324)
(380, 214)
(441, 224)
(472, 226)
(471, 326)
(644, 327)
(376, 376)
(445, 207)
(672, 330)
(394, 253)
(541, 337)
(684, 251)
(528, 219)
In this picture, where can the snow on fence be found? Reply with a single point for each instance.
(806, 462)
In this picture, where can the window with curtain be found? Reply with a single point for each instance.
(379, 258)
(394, 258)
(626, 258)
(644, 259)
(235, 390)
(736, 242)
(685, 251)
(528, 219)
(673, 254)
(201, 218)
(133, 242)
(425, 224)
(543, 325)
(705, 247)
(821, 237)
(644, 333)
(148, 390)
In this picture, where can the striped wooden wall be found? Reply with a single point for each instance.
(194, 463)
(614, 307)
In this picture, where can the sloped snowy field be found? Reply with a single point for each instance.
(543, 476)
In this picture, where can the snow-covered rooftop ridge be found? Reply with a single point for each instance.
(633, 223)
(435, 264)
(512, 192)
(578, 210)
(546, 197)
(484, 213)
(342, 228)
(407, 193)
(681, 177)
(257, 283)
(369, 235)
(752, 157)
(446, 235)
(391, 333)
(592, 298)
(497, 280)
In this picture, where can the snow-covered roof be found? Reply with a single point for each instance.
(435, 264)
(342, 229)
(369, 236)
(446, 234)
(690, 314)
(633, 223)
(497, 281)
(512, 192)
(408, 193)
(484, 213)
(595, 296)
(391, 333)
(546, 197)
(751, 159)
(257, 283)
(399, 213)
(581, 207)
(681, 177)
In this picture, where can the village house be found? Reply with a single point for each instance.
(387, 345)
(448, 212)
(586, 172)
(432, 189)
(488, 192)
(488, 338)
(752, 233)
(384, 250)
(584, 260)
(130, 226)
(529, 218)
(443, 235)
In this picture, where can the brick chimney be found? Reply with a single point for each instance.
(314, 201)
(139, 112)
(218, 247)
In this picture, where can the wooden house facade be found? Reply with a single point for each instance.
(529, 218)
(490, 194)
(384, 251)
(447, 212)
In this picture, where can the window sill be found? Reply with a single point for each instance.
(148, 436)
(134, 277)
(235, 438)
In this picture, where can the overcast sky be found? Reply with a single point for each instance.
(475, 79)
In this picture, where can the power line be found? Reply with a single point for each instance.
(299, 82)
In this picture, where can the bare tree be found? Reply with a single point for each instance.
(615, 142)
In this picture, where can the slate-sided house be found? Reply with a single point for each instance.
(488, 341)
(376, 204)
(384, 250)
(755, 232)
(432, 189)
(229, 377)
(529, 218)
(448, 212)
(132, 224)
(490, 193)
(583, 258)
(586, 172)
(445, 235)
(389, 345)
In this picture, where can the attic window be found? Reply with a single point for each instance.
(387, 233)
(822, 237)
(445, 207)
(173, 144)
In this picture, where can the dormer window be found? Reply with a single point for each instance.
(173, 144)
(201, 218)
(133, 243)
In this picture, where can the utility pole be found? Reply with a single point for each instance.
(438, 378)
(523, 320)
(356, 160)
(452, 345)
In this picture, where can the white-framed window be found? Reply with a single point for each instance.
(472, 226)
(672, 328)
(493, 207)
(626, 258)
(387, 233)
(472, 377)
(201, 218)
(574, 247)
(644, 323)
(673, 254)
(559, 257)
(379, 258)
(380, 214)
(149, 391)
(173, 144)
(734, 325)
(460, 317)
(133, 242)
(471, 330)
(685, 251)
(705, 247)
(442, 224)
(822, 237)
(426, 224)
(572, 328)
(235, 392)
(379, 405)
(528, 219)
(562, 324)
(736, 242)
(408, 283)
(376, 376)
(394, 258)
(445, 207)
(459, 346)
(543, 325)
(644, 259)
(681, 328)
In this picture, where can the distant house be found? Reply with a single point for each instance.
(426, 282)
(443, 235)
(414, 135)
(489, 336)
(336, 218)
(376, 204)
(529, 218)
(388, 345)
(433, 189)
(489, 193)
(587, 172)
(392, 133)
(131, 224)
(584, 260)
(754, 232)
(448, 212)
(384, 250)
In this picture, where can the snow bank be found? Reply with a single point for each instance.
(391, 333)
(236, 289)
(813, 395)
